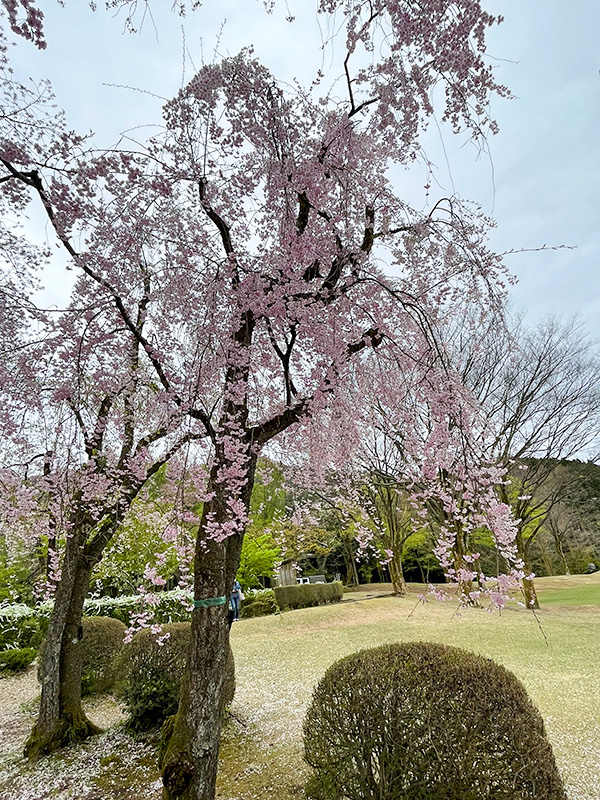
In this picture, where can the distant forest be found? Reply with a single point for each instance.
(559, 503)
(568, 539)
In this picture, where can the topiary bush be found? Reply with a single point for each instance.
(101, 644)
(424, 721)
(16, 660)
(259, 604)
(306, 595)
(154, 672)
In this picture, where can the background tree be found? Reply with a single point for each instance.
(102, 432)
(381, 483)
(540, 388)
(573, 524)
(154, 540)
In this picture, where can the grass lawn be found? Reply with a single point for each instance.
(280, 658)
(569, 590)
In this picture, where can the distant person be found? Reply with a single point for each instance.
(591, 568)
(236, 596)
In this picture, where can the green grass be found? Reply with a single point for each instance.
(279, 660)
(569, 590)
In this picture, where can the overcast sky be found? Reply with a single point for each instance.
(541, 181)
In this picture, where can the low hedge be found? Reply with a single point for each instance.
(258, 603)
(101, 644)
(306, 595)
(425, 721)
(153, 673)
(16, 660)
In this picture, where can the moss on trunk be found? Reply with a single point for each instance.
(61, 720)
(69, 729)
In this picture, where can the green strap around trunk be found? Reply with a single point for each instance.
(210, 601)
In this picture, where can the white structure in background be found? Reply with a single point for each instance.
(287, 575)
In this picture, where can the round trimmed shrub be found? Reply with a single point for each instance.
(154, 672)
(101, 644)
(424, 721)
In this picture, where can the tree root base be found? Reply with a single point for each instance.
(68, 730)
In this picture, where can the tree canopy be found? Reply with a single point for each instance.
(250, 272)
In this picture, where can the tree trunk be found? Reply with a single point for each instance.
(562, 556)
(322, 564)
(531, 599)
(397, 576)
(189, 763)
(61, 719)
(351, 571)
(465, 585)
(529, 593)
(548, 566)
(191, 746)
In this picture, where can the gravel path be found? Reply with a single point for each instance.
(16, 721)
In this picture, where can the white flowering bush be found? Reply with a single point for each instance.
(22, 626)
(172, 606)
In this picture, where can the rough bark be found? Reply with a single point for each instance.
(397, 575)
(561, 554)
(531, 598)
(465, 587)
(61, 719)
(189, 763)
(190, 752)
(398, 527)
(351, 571)
(527, 584)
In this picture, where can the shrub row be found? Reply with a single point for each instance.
(308, 594)
(173, 606)
(23, 627)
(258, 603)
